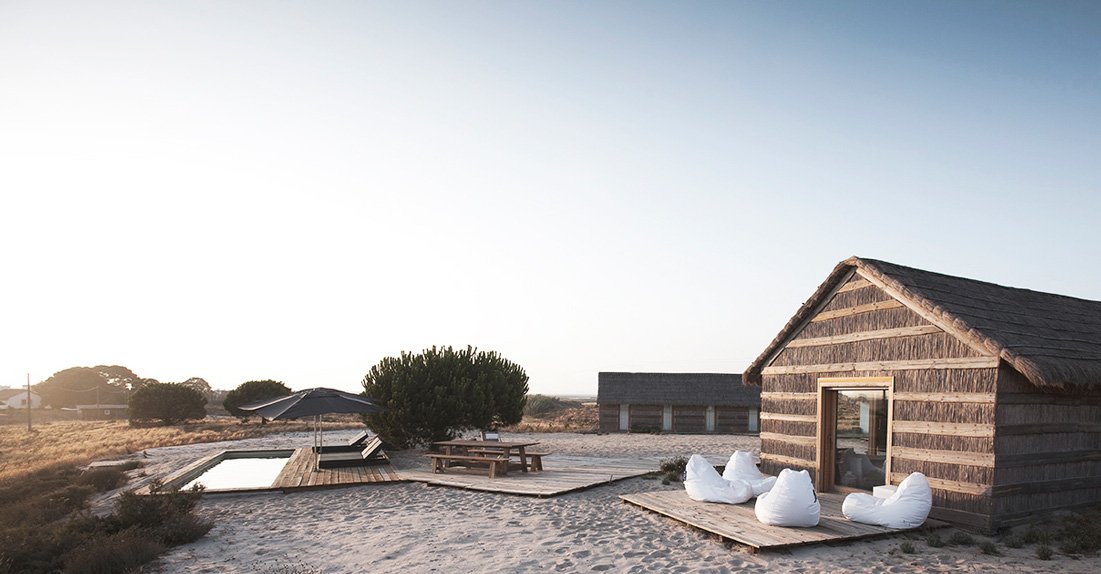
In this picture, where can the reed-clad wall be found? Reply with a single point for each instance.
(926, 438)
(996, 391)
(1048, 449)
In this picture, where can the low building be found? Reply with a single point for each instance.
(992, 392)
(103, 412)
(677, 402)
(17, 399)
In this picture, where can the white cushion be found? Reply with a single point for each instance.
(908, 507)
(791, 502)
(741, 466)
(703, 483)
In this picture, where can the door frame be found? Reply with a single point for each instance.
(826, 429)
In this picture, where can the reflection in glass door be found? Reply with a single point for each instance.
(860, 425)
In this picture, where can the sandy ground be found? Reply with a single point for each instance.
(411, 527)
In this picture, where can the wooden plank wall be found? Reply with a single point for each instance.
(689, 419)
(1048, 449)
(645, 418)
(609, 418)
(944, 395)
(732, 419)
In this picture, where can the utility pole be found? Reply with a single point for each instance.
(29, 403)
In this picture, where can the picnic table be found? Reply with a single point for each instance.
(496, 454)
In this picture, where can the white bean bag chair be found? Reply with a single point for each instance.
(908, 507)
(791, 502)
(705, 484)
(742, 467)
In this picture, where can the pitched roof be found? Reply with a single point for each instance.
(719, 389)
(6, 394)
(1053, 340)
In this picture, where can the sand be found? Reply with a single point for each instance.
(411, 527)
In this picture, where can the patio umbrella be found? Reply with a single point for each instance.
(313, 403)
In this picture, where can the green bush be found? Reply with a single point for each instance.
(1044, 552)
(934, 540)
(907, 547)
(441, 392)
(167, 403)
(250, 392)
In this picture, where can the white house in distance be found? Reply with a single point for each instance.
(17, 399)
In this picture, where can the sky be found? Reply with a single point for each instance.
(240, 190)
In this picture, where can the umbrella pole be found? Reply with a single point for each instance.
(317, 443)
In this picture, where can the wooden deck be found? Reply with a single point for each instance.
(737, 522)
(299, 473)
(562, 474)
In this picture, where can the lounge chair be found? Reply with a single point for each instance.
(908, 507)
(371, 454)
(356, 444)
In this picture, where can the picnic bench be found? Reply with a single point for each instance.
(496, 455)
(535, 459)
(498, 465)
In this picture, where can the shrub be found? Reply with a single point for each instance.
(961, 538)
(1081, 532)
(103, 479)
(250, 392)
(907, 547)
(439, 393)
(989, 548)
(1044, 552)
(119, 552)
(168, 403)
(934, 540)
(675, 466)
(1013, 541)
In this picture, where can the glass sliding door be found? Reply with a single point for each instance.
(859, 447)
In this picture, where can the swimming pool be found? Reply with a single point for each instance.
(232, 470)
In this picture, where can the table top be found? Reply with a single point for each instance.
(485, 443)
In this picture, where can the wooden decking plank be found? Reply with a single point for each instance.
(740, 524)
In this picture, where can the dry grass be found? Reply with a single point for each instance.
(81, 442)
(580, 419)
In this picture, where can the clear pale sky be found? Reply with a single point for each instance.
(242, 190)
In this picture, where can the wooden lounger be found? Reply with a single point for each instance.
(371, 454)
(356, 444)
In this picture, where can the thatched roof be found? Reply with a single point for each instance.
(686, 389)
(1053, 340)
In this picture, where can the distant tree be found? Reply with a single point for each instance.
(250, 392)
(86, 385)
(199, 385)
(167, 403)
(439, 393)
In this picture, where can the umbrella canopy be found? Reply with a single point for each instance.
(312, 402)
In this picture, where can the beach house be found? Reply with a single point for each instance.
(993, 392)
(677, 402)
(17, 399)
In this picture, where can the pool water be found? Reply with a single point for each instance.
(237, 473)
